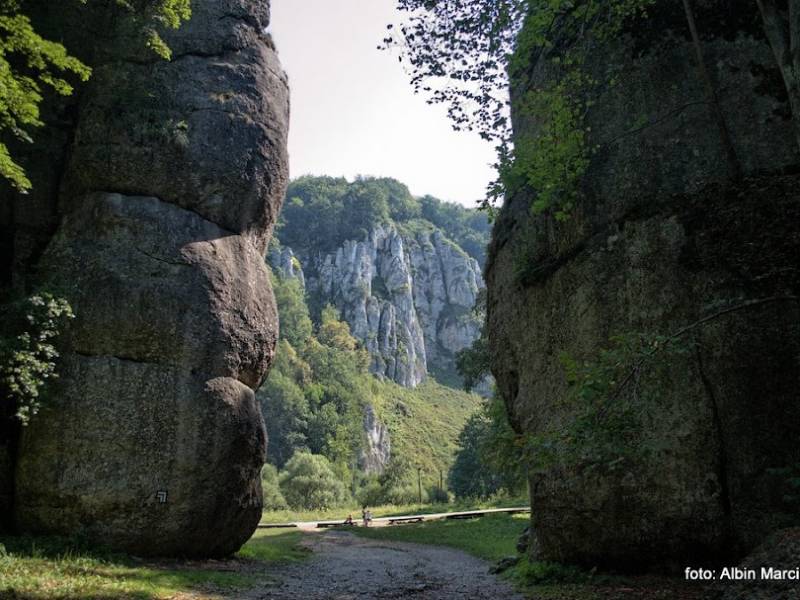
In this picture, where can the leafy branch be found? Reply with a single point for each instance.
(28, 360)
(30, 63)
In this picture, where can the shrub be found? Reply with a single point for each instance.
(273, 498)
(404, 493)
(437, 495)
(371, 494)
(308, 482)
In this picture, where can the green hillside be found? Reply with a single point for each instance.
(424, 422)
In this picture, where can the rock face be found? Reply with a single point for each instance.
(152, 441)
(287, 264)
(658, 244)
(378, 450)
(408, 298)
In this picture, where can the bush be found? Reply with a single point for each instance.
(273, 498)
(406, 493)
(308, 482)
(437, 495)
(371, 494)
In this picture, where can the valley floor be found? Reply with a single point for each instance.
(347, 567)
(434, 560)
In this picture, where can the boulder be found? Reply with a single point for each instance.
(151, 442)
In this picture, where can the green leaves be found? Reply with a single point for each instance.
(28, 360)
(37, 62)
(608, 403)
(465, 53)
(28, 63)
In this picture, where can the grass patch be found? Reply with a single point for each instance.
(274, 546)
(492, 537)
(424, 423)
(39, 568)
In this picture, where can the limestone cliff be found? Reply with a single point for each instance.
(408, 296)
(155, 193)
(377, 451)
(662, 240)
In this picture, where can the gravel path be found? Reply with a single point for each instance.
(347, 567)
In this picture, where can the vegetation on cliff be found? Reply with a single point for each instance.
(27, 352)
(322, 212)
(468, 54)
(31, 64)
(314, 403)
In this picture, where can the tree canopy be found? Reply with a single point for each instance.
(320, 213)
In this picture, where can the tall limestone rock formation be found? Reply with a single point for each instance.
(409, 297)
(155, 193)
(662, 240)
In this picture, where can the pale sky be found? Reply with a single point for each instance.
(354, 112)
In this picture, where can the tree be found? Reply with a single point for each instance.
(465, 43)
(366, 205)
(782, 27)
(273, 498)
(470, 476)
(491, 455)
(295, 321)
(29, 63)
(335, 333)
(463, 54)
(286, 414)
(473, 363)
(402, 205)
(308, 482)
(711, 95)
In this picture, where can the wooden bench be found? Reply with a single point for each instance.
(325, 524)
(395, 520)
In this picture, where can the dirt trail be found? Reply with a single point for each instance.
(347, 567)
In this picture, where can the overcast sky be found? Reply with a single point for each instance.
(354, 112)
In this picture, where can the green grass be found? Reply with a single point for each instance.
(492, 537)
(58, 569)
(274, 546)
(424, 423)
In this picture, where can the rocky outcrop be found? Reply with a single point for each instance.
(286, 264)
(662, 241)
(172, 179)
(375, 455)
(408, 297)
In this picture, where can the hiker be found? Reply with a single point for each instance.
(349, 520)
(367, 518)
(364, 515)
